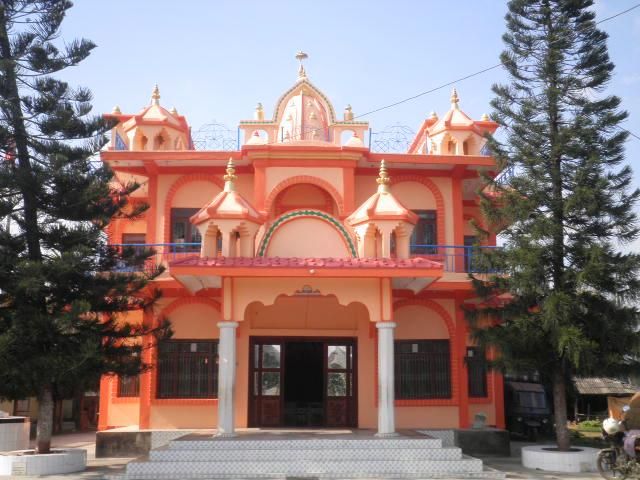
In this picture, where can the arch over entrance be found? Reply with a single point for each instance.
(327, 219)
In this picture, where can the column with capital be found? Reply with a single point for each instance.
(386, 395)
(226, 378)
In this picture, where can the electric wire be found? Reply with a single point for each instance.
(466, 77)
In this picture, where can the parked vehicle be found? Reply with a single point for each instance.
(620, 460)
(527, 409)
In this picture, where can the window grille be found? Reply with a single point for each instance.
(422, 369)
(477, 369)
(129, 386)
(188, 369)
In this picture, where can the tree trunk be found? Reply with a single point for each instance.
(45, 420)
(13, 107)
(560, 410)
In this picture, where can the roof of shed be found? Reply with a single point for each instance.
(603, 386)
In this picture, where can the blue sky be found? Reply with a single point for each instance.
(214, 60)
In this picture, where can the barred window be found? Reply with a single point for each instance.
(477, 368)
(188, 369)
(422, 369)
(129, 386)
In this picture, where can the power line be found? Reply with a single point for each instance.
(475, 74)
(479, 72)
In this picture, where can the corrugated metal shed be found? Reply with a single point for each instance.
(603, 386)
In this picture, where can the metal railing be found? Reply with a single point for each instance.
(163, 253)
(455, 258)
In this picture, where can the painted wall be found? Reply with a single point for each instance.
(307, 237)
(322, 316)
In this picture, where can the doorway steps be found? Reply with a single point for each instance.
(335, 456)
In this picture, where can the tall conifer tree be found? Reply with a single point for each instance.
(59, 329)
(567, 211)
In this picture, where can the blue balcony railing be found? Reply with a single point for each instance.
(163, 254)
(455, 258)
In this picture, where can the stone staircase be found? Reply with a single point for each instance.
(336, 456)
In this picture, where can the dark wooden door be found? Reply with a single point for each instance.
(266, 379)
(340, 381)
(268, 375)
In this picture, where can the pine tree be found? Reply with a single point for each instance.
(566, 212)
(60, 295)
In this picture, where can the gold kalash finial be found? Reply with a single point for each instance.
(230, 177)
(383, 178)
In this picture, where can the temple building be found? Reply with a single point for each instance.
(309, 281)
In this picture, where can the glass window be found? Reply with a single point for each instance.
(271, 384)
(271, 356)
(182, 231)
(337, 384)
(422, 369)
(425, 233)
(188, 369)
(337, 357)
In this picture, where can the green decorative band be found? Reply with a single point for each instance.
(306, 213)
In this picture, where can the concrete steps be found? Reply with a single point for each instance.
(192, 458)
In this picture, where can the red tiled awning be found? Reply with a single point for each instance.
(279, 263)
(201, 272)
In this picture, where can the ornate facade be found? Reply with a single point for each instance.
(310, 282)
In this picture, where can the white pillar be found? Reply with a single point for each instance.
(226, 378)
(386, 408)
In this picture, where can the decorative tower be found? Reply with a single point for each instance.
(380, 218)
(154, 128)
(230, 217)
(456, 133)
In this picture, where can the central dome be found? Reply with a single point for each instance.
(304, 117)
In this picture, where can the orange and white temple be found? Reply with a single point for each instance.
(310, 282)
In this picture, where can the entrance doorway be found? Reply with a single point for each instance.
(302, 382)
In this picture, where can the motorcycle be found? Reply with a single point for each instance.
(620, 460)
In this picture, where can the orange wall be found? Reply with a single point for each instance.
(307, 237)
(303, 316)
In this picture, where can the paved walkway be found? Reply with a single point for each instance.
(99, 468)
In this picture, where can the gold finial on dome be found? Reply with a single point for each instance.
(485, 117)
(348, 113)
(300, 56)
(383, 178)
(155, 95)
(433, 115)
(454, 98)
(116, 110)
(259, 113)
(174, 111)
(230, 176)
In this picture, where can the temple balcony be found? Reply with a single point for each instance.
(454, 258)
